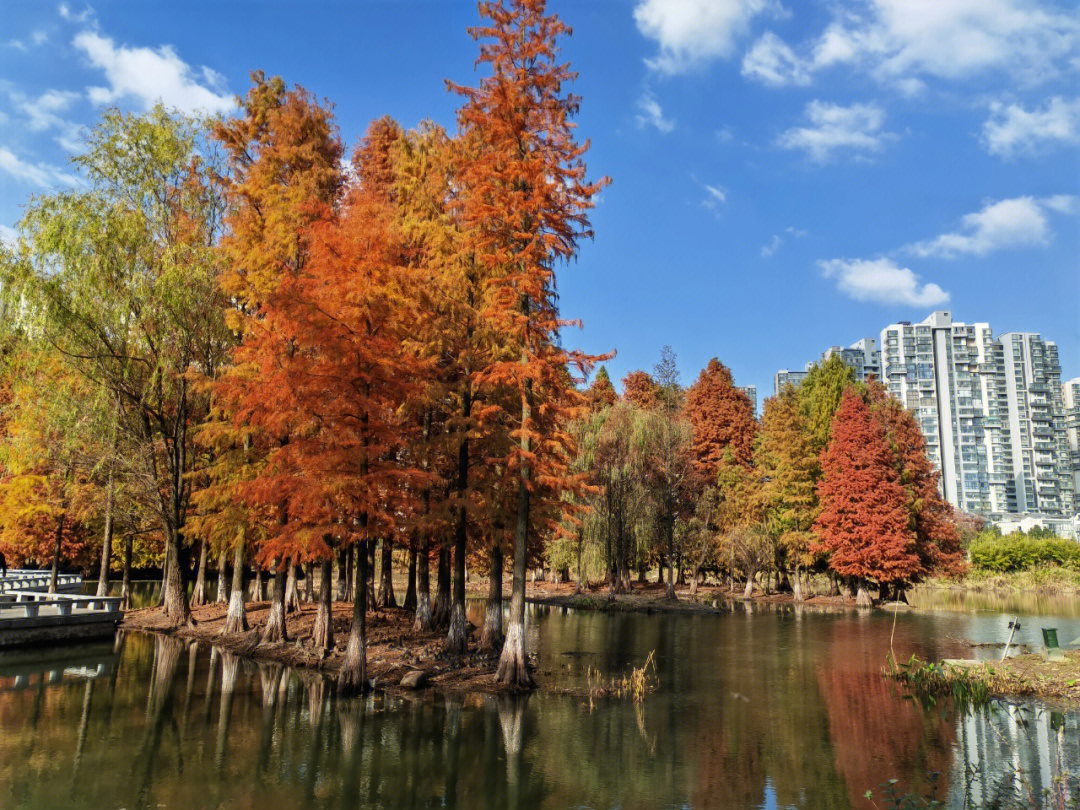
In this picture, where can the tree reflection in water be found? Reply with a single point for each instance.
(785, 710)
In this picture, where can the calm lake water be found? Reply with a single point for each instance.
(769, 709)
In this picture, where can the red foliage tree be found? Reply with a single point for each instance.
(932, 517)
(864, 522)
(722, 417)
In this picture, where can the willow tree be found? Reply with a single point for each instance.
(120, 277)
(524, 203)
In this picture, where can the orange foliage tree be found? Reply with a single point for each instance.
(524, 203)
(722, 417)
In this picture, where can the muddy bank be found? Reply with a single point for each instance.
(394, 648)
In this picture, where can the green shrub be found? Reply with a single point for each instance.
(991, 551)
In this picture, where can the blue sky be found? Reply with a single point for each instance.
(785, 176)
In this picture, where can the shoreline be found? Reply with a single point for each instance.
(393, 647)
(1018, 677)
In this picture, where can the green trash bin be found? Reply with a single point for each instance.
(1050, 640)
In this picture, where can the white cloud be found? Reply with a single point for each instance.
(856, 129)
(8, 235)
(773, 245)
(39, 37)
(1017, 222)
(693, 32)
(651, 114)
(148, 75)
(882, 281)
(40, 174)
(1011, 129)
(772, 61)
(896, 41)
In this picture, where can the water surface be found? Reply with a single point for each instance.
(764, 709)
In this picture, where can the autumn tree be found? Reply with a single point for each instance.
(722, 417)
(601, 393)
(932, 517)
(524, 204)
(284, 171)
(789, 469)
(864, 523)
(640, 389)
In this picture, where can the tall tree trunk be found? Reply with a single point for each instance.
(457, 641)
(125, 582)
(275, 630)
(441, 616)
(749, 589)
(309, 582)
(55, 572)
(236, 617)
(352, 677)
(370, 574)
(491, 634)
(669, 529)
(423, 623)
(222, 584)
(198, 594)
(862, 596)
(322, 634)
(106, 540)
(257, 590)
(796, 585)
(580, 587)
(292, 594)
(386, 575)
(513, 668)
(410, 588)
(342, 571)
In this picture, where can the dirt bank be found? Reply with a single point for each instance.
(393, 646)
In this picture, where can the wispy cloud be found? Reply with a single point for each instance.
(833, 129)
(773, 245)
(39, 174)
(1012, 129)
(882, 281)
(1011, 223)
(651, 114)
(715, 197)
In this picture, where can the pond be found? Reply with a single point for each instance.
(756, 709)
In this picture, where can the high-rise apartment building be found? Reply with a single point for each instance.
(751, 393)
(990, 410)
(862, 356)
(786, 377)
(1070, 402)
